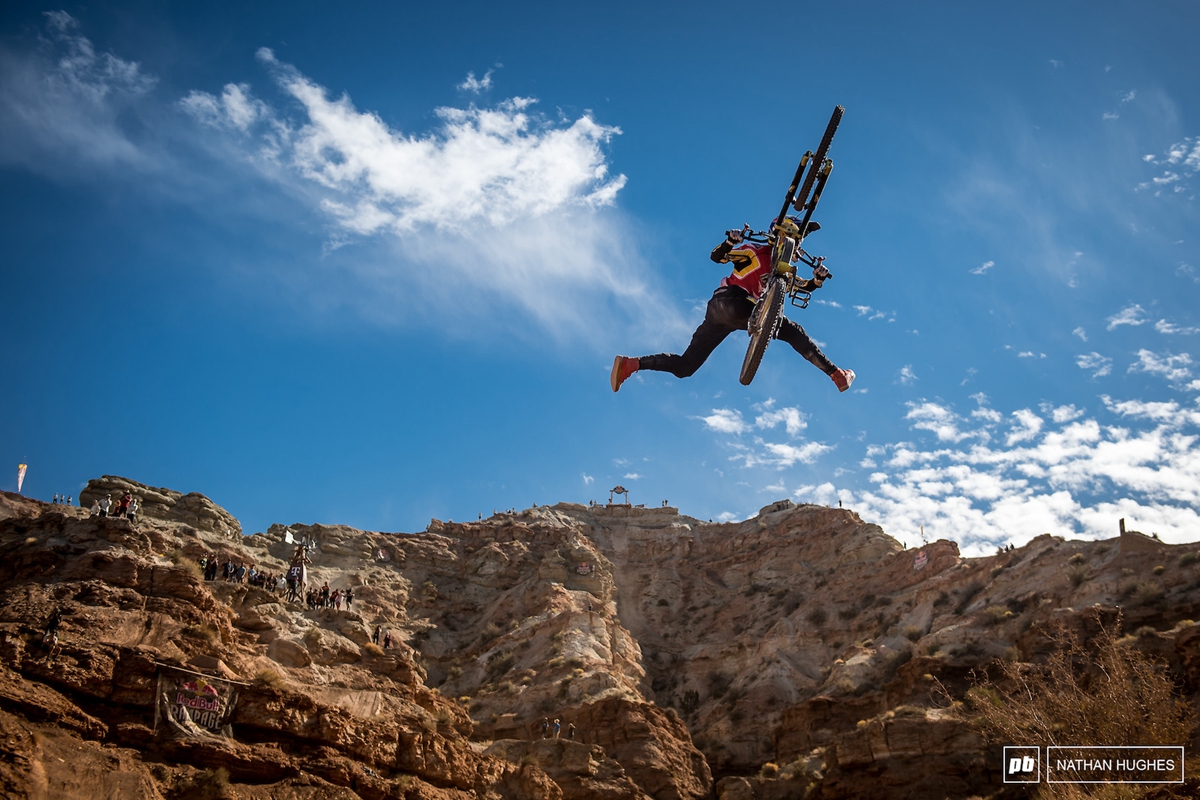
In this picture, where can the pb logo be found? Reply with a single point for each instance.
(1022, 765)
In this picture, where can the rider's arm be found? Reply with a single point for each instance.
(720, 253)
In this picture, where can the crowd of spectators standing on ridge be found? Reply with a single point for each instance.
(236, 572)
(127, 507)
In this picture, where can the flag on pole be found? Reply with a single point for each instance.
(20, 476)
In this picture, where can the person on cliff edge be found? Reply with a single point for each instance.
(729, 310)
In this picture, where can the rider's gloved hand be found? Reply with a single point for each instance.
(820, 273)
(733, 237)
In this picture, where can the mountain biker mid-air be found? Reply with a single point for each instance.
(729, 310)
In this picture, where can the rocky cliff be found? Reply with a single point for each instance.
(790, 655)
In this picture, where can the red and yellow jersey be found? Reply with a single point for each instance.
(751, 266)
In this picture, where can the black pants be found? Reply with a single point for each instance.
(729, 310)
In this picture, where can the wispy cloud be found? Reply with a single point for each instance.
(588, 479)
(1081, 333)
(1162, 326)
(1174, 368)
(65, 104)
(1132, 314)
(906, 376)
(1098, 365)
(982, 268)
(476, 85)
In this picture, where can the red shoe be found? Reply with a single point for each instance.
(843, 378)
(622, 368)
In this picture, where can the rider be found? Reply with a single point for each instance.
(729, 309)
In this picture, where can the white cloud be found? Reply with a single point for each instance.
(493, 206)
(1054, 62)
(1162, 326)
(1062, 414)
(906, 376)
(793, 420)
(982, 268)
(1081, 333)
(1030, 354)
(1110, 115)
(379, 179)
(1098, 364)
(234, 109)
(476, 85)
(780, 455)
(1026, 427)
(588, 479)
(632, 476)
(1130, 96)
(1174, 368)
(725, 420)
(938, 419)
(1073, 479)
(1130, 315)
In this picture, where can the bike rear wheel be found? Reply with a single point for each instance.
(764, 322)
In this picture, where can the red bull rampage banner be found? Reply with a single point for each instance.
(189, 700)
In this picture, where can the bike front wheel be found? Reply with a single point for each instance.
(764, 322)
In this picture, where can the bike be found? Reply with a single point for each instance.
(787, 251)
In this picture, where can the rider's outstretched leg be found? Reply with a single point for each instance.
(728, 310)
(792, 333)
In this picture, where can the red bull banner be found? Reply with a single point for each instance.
(192, 703)
(20, 476)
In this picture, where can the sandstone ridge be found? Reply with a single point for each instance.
(790, 655)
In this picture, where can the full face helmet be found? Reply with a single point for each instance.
(790, 227)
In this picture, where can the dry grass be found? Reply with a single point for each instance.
(1104, 693)
(372, 649)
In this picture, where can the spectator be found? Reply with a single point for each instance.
(350, 599)
(95, 511)
(387, 641)
(133, 509)
(557, 727)
(375, 635)
(105, 504)
(571, 731)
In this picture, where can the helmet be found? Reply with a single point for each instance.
(789, 226)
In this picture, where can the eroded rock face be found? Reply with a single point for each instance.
(165, 505)
(793, 654)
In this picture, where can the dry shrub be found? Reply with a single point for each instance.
(1147, 592)
(1105, 693)
(769, 770)
(1077, 575)
(1188, 558)
(372, 649)
(997, 614)
(912, 632)
(1078, 558)
(204, 631)
(269, 677)
(817, 616)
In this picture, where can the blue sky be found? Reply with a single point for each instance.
(371, 267)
